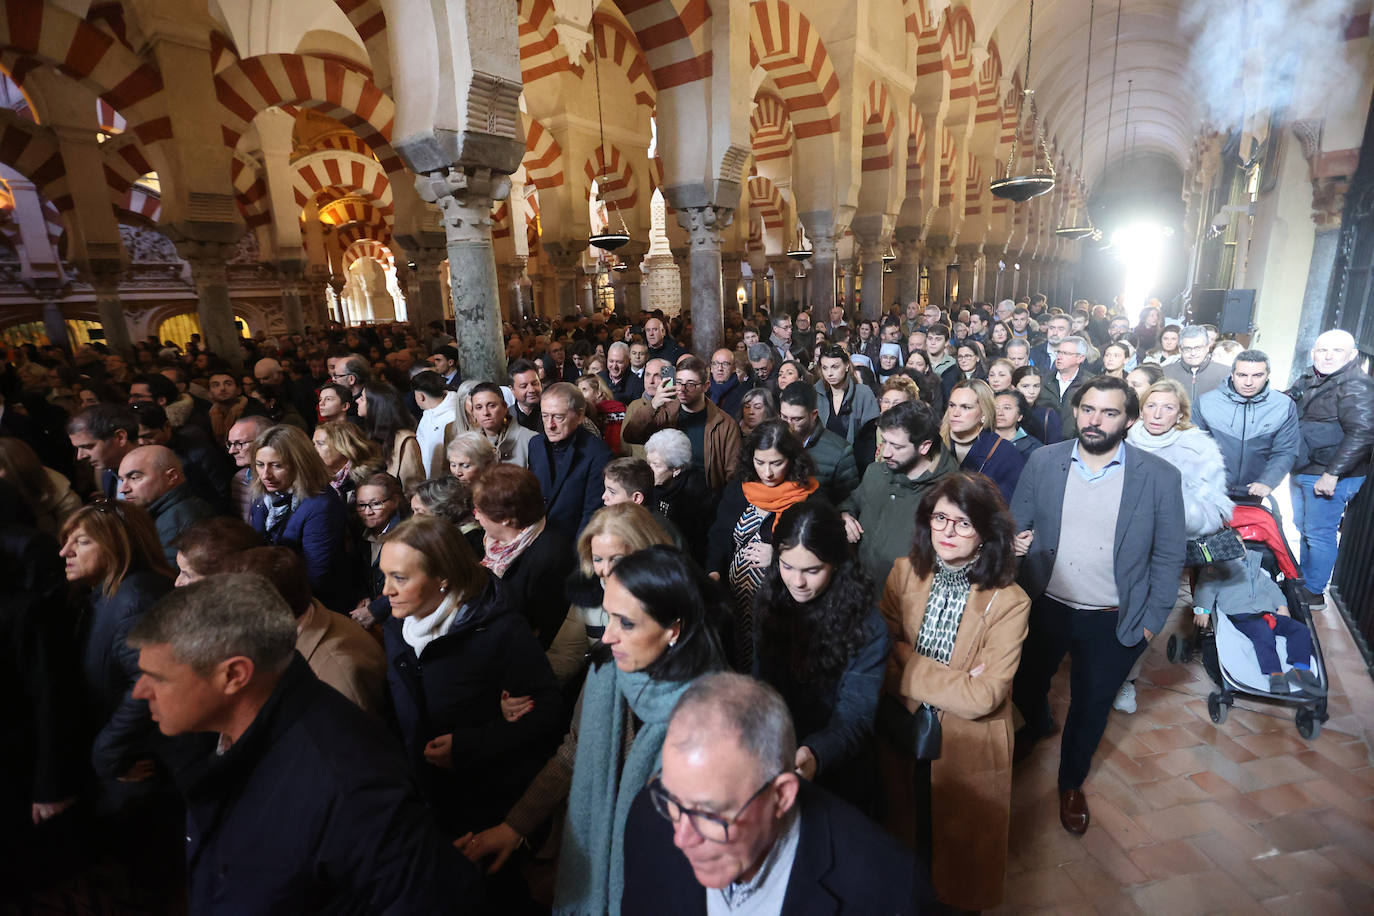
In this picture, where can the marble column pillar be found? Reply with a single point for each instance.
(969, 258)
(629, 281)
(682, 257)
(291, 277)
(703, 225)
(511, 307)
(777, 290)
(55, 323)
(936, 263)
(907, 268)
(465, 197)
(871, 250)
(821, 269)
(849, 283)
(732, 276)
(566, 260)
(427, 303)
(216, 311)
(111, 309)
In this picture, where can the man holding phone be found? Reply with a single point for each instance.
(681, 404)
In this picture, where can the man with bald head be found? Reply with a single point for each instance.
(661, 343)
(729, 826)
(152, 476)
(726, 391)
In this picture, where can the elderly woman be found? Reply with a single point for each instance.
(775, 473)
(389, 423)
(294, 506)
(469, 454)
(957, 620)
(889, 361)
(969, 429)
(450, 499)
(1000, 372)
(659, 637)
(348, 456)
(757, 405)
(453, 643)
(531, 559)
(820, 640)
(681, 493)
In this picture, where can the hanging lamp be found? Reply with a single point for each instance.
(607, 240)
(1081, 226)
(1023, 187)
(802, 252)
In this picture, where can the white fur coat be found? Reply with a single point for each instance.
(1206, 506)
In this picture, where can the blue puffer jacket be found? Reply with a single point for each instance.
(317, 529)
(1258, 436)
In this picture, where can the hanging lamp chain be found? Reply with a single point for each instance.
(601, 128)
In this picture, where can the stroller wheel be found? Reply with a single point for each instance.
(1309, 726)
(1217, 708)
(1174, 649)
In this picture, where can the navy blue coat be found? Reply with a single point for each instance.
(572, 486)
(312, 810)
(318, 531)
(845, 864)
(454, 688)
(997, 459)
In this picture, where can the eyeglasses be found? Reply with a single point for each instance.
(1200, 348)
(235, 445)
(708, 825)
(962, 526)
(684, 383)
(722, 363)
(375, 506)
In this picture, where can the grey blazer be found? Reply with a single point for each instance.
(1150, 534)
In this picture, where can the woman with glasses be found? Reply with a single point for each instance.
(659, 636)
(294, 506)
(969, 358)
(820, 641)
(380, 507)
(957, 620)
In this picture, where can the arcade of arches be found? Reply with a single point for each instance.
(291, 162)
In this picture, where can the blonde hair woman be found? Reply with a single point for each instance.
(294, 506)
(349, 457)
(469, 454)
(970, 431)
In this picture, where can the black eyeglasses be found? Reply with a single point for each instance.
(710, 826)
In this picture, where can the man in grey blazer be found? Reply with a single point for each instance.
(1102, 544)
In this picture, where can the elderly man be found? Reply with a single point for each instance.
(780, 338)
(714, 435)
(638, 411)
(103, 434)
(240, 448)
(660, 342)
(273, 821)
(151, 476)
(351, 372)
(639, 357)
(728, 825)
(1195, 369)
(726, 390)
(567, 460)
(1068, 377)
(625, 385)
(1018, 352)
(836, 471)
(762, 359)
(1255, 427)
(1335, 399)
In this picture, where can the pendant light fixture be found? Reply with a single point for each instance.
(1081, 226)
(1034, 182)
(608, 239)
(801, 252)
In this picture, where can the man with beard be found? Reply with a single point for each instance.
(1102, 542)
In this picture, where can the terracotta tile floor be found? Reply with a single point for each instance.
(1192, 817)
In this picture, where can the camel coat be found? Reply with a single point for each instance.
(970, 784)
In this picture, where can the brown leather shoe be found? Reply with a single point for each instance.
(1073, 811)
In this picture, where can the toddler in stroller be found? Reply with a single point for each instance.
(1255, 605)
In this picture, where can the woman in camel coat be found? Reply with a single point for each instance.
(957, 620)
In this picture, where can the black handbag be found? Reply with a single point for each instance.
(1216, 547)
(917, 734)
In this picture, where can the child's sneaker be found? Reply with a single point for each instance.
(1278, 684)
(1307, 682)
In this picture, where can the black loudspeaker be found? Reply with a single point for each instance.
(1206, 306)
(1237, 312)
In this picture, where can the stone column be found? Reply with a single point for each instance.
(208, 272)
(731, 274)
(969, 259)
(511, 307)
(849, 282)
(587, 285)
(871, 264)
(936, 262)
(465, 196)
(105, 284)
(703, 225)
(907, 268)
(317, 303)
(682, 257)
(628, 280)
(777, 291)
(566, 260)
(290, 273)
(821, 268)
(427, 301)
(55, 323)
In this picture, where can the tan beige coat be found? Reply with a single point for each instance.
(971, 781)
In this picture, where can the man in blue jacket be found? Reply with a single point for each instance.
(568, 460)
(1255, 427)
(305, 805)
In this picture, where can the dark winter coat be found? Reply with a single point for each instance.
(688, 503)
(570, 479)
(318, 530)
(1258, 436)
(836, 470)
(534, 583)
(175, 511)
(1336, 414)
(454, 688)
(997, 459)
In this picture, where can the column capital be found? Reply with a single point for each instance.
(465, 196)
(565, 257)
(703, 225)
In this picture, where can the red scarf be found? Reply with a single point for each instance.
(780, 498)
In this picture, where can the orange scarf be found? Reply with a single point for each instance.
(780, 498)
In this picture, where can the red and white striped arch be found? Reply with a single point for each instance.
(948, 161)
(355, 232)
(959, 25)
(366, 17)
(32, 151)
(352, 209)
(543, 160)
(222, 51)
(784, 43)
(986, 84)
(250, 192)
(615, 177)
(770, 128)
(541, 54)
(616, 43)
(755, 240)
(973, 186)
(766, 200)
(879, 125)
(500, 220)
(141, 202)
(255, 84)
(109, 120)
(346, 142)
(51, 35)
(934, 46)
(369, 248)
(332, 168)
(915, 154)
(674, 37)
(125, 163)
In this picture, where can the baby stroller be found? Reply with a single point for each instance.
(1229, 657)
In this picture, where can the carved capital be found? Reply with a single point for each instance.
(1309, 135)
(703, 224)
(464, 196)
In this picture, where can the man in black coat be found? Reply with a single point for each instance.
(306, 805)
(568, 460)
(747, 827)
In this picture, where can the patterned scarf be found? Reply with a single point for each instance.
(500, 556)
(945, 609)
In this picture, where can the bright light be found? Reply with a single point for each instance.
(1141, 248)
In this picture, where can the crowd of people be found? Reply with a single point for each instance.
(632, 629)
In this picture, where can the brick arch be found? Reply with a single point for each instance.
(987, 85)
(948, 166)
(770, 128)
(959, 26)
(350, 209)
(255, 84)
(541, 54)
(766, 199)
(973, 186)
(250, 192)
(543, 160)
(140, 202)
(615, 177)
(325, 168)
(500, 220)
(355, 232)
(48, 34)
(879, 125)
(347, 142)
(784, 43)
(674, 37)
(616, 42)
(32, 151)
(368, 248)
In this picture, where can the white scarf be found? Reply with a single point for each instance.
(419, 632)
